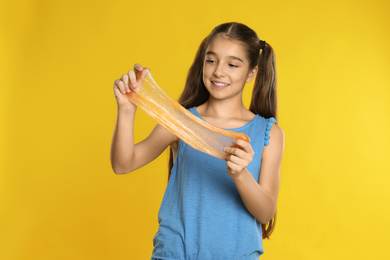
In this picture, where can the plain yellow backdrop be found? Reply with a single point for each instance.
(59, 198)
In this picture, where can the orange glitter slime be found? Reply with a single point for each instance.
(194, 131)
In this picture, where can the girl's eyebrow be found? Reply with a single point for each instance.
(231, 57)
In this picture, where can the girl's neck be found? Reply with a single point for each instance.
(223, 109)
(225, 113)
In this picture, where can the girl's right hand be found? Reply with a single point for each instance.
(124, 85)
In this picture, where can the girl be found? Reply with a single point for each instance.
(213, 209)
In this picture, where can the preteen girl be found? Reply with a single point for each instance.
(213, 208)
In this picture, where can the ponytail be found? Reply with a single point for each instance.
(264, 103)
(264, 98)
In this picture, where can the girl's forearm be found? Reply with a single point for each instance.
(258, 201)
(122, 146)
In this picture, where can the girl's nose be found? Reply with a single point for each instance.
(219, 72)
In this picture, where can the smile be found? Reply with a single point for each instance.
(220, 85)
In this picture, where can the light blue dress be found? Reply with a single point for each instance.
(202, 215)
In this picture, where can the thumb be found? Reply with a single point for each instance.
(142, 74)
(145, 72)
(139, 78)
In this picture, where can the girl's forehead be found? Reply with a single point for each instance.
(225, 46)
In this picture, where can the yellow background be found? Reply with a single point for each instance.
(59, 198)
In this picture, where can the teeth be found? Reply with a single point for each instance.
(220, 84)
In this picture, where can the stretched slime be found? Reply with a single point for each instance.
(194, 131)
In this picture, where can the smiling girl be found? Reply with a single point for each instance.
(213, 208)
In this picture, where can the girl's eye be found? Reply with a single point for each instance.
(210, 61)
(233, 66)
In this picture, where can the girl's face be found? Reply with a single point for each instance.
(226, 68)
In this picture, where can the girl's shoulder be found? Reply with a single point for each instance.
(273, 131)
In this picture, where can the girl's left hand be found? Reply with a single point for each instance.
(238, 158)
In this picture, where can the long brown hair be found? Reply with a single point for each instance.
(264, 99)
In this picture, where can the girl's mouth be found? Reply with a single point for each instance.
(220, 84)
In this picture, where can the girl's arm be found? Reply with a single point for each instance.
(125, 155)
(259, 198)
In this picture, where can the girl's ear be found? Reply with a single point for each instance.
(252, 74)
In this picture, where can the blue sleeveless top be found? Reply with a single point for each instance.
(202, 215)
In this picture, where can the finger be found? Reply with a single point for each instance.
(125, 79)
(133, 78)
(118, 84)
(245, 145)
(236, 160)
(236, 151)
(138, 67)
(234, 168)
